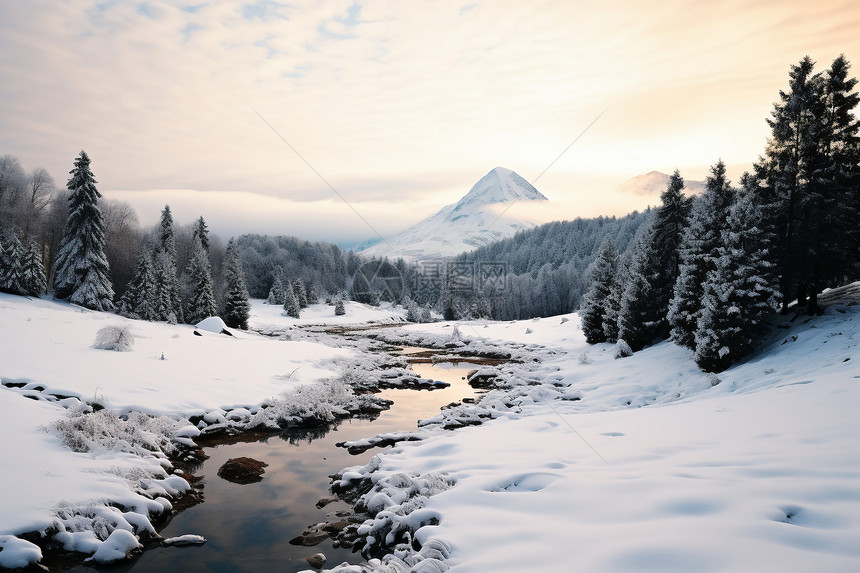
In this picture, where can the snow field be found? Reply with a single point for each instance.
(103, 495)
(659, 467)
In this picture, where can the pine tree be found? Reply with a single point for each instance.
(299, 291)
(339, 309)
(797, 169)
(740, 291)
(662, 257)
(291, 304)
(165, 285)
(277, 294)
(81, 268)
(165, 269)
(654, 270)
(313, 296)
(831, 207)
(11, 265)
(701, 239)
(636, 315)
(201, 299)
(613, 300)
(201, 233)
(33, 280)
(594, 302)
(140, 300)
(237, 309)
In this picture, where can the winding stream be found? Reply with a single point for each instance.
(248, 527)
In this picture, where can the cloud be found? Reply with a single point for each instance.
(394, 102)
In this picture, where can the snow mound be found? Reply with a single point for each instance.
(118, 546)
(17, 553)
(212, 324)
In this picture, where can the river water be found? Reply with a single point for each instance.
(248, 527)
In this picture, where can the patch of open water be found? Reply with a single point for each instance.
(248, 527)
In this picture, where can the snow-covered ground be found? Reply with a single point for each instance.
(659, 467)
(47, 353)
(585, 462)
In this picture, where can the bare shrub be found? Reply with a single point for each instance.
(116, 338)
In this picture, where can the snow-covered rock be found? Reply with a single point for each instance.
(212, 324)
(118, 546)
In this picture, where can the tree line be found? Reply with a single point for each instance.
(709, 269)
(87, 263)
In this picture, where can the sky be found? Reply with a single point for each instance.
(338, 121)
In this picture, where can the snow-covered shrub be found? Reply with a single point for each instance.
(116, 338)
(103, 430)
(309, 405)
(622, 349)
(584, 358)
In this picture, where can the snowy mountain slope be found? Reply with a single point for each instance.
(652, 184)
(477, 219)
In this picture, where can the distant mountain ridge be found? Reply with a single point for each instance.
(478, 219)
(652, 184)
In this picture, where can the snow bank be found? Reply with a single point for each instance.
(170, 371)
(17, 553)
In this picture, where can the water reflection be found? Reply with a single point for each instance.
(248, 527)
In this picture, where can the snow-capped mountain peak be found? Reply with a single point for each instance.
(473, 221)
(500, 186)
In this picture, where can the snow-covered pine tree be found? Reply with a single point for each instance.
(701, 240)
(237, 309)
(299, 291)
(339, 308)
(636, 315)
(830, 209)
(201, 233)
(313, 296)
(33, 280)
(276, 293)
(140, 300)
(613, 300)
(81, 269)
(4, 263)
(164, 273)
(661, 261)
(741, 290)
(593, 305)
(11, 264)
(201, 298)
(165, 268)
(291, 303)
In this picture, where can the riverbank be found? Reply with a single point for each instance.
(100, 473)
